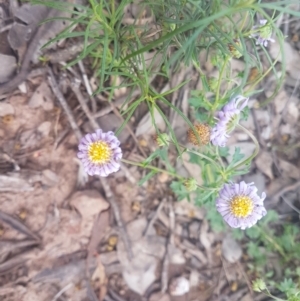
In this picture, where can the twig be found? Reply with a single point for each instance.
(170, 241)
(290, 204)
(62, 291)
(110, 198)
(5, 28)
(149, 226)
(241, 268)
(64, 104)
(87, 86)
(75, 88)
(18, 225)
(165, 271)
(127, 174)
(172, 223)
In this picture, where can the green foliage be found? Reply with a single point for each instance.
(288, 286)
(215, 219)
(180, 190)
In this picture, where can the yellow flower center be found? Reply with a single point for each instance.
(99, 152)
(241, 206)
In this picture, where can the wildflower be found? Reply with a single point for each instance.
(203, 132)
(100, 153)
(229, 117)
(233, 49)
(240, 205)
(262, 33)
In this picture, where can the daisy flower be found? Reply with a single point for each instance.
(240, 205)
(262, 33)
(229, 117)
(100, 153)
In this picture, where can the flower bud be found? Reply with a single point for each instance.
(190, 184)
(162, 139)
(233, 50)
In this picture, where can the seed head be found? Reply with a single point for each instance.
(203, 131)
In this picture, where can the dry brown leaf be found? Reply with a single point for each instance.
(14, 182)
(264, 162)
(42, 97)
(289, 170)
(193, 169)
(19, 35)
(8, 65)
(88, 203)
(99, 276)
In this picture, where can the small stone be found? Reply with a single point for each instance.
(194, 228)
(6, 109)
(179, 286)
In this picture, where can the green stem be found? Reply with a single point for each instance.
(273, 242)
(272, 296)
(219, 157)
(163, 171)
(275, 298)
(220, 81)
(202, 156)
(196, 65)
(255, 151)
(152, 168)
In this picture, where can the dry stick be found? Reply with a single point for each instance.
(159, 208)
(109, 195)
(170, 241)
(87, 86)
(62, 291)
(64, 104)
(241, 268)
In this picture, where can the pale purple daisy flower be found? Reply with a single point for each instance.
(240, 205)
(228, 117)
(100, 153)
(262, 33)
